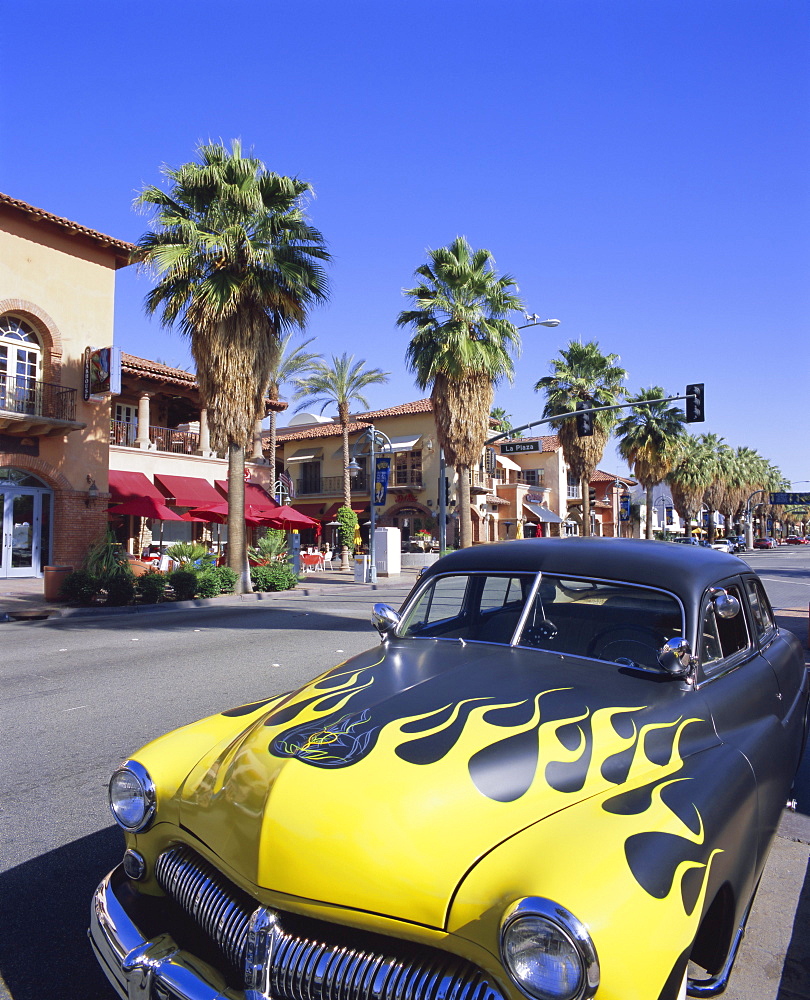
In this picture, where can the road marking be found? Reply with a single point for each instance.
(76, 709)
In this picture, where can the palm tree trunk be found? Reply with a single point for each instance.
(237, 537)
(648, 530)
(347, 488)
(272, 447)
(585, 489)
(464, 510)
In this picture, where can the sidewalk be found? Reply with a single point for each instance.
(24, 599)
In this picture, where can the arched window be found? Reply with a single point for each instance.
(20, 365)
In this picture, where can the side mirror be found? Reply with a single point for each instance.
(675, 656)
(384, 619)
(725, 605)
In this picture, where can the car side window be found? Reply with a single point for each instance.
(722, 638)
(442, 601)
(760, 607)
(499, 591)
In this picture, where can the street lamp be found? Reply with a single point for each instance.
(664, 501)
(378, 444)
(533, 319)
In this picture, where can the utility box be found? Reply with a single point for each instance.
(361, 569)
(387, 551)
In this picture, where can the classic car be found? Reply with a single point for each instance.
(557, 777)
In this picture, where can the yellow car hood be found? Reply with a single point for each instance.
(380, 784)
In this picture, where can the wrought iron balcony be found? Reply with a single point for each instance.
(329, 486)
(171, 439)
(29, 397)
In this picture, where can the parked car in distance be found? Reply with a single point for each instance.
(557, 777)
(795, 540)
(765, 543)
(685, 539)
(727, 545)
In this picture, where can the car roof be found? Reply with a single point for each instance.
(682, 569)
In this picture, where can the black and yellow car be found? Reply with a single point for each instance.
(557, 777)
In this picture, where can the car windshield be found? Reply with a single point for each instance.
(602, 620)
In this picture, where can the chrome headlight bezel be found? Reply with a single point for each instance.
(564, 923)
(147, 791)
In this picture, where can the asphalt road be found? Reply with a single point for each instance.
(79, 695)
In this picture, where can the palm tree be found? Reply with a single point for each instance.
(583, 373)
(503, 422)
(690, 477)
(461, 348)
(340, 384)
(288, 365)
(237, 263)
(650, 438)
(715, 493)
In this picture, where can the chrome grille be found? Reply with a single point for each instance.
(311, 960)
(209, 898)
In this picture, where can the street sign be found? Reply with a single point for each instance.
(782, 499)
(517, 447)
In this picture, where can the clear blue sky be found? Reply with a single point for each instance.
(639, 166)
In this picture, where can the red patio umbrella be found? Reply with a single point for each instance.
(218, 514)
(145, 507)
(290, 519)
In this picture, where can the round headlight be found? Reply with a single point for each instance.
(132, 796)
(548, 952)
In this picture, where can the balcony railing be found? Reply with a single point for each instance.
(329, 486)
(406, 477)
(30, 397)
(163, 438)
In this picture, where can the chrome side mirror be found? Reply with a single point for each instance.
(725, 605)
(384, 619)
(675, 656)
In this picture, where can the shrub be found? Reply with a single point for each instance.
(106, 558)
(152, 587)
(271, 547)
(348, 526)
(79, 587)
(275, 577)
(227, 579)
(208, 584)
(189, 553)
(120, 589)
(184, 584)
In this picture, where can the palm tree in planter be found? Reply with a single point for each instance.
(583, 373)
(237, 263)
(340, 384)
(290, 363)
(650, 438)
(461, 348)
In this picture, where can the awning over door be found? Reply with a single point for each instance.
(310, 509)
(330, 512)
(507, 463)
(543, 513)
(304, 455)
(132, 486)
(187, 491)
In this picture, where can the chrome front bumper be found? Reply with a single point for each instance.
(141, 969)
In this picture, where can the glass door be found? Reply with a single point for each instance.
(21, 523)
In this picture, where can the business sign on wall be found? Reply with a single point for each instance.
(102, 371)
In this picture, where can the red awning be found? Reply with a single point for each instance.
(132, 486)
(254, 494)
(330, 512)
(145, 507)
(310, 509)
(187, 491)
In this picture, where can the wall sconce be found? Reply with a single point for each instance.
(92, 491)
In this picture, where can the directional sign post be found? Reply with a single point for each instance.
(790, 499)
(518, 447)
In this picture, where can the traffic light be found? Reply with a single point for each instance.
(584, 420)
(695, 413)
(446, 491)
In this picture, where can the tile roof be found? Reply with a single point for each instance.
(359, 422)
(130, 365)
(72, 228)
(142, 367)
(600, 476)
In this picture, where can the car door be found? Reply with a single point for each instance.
(783, 652)
(740, 687)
